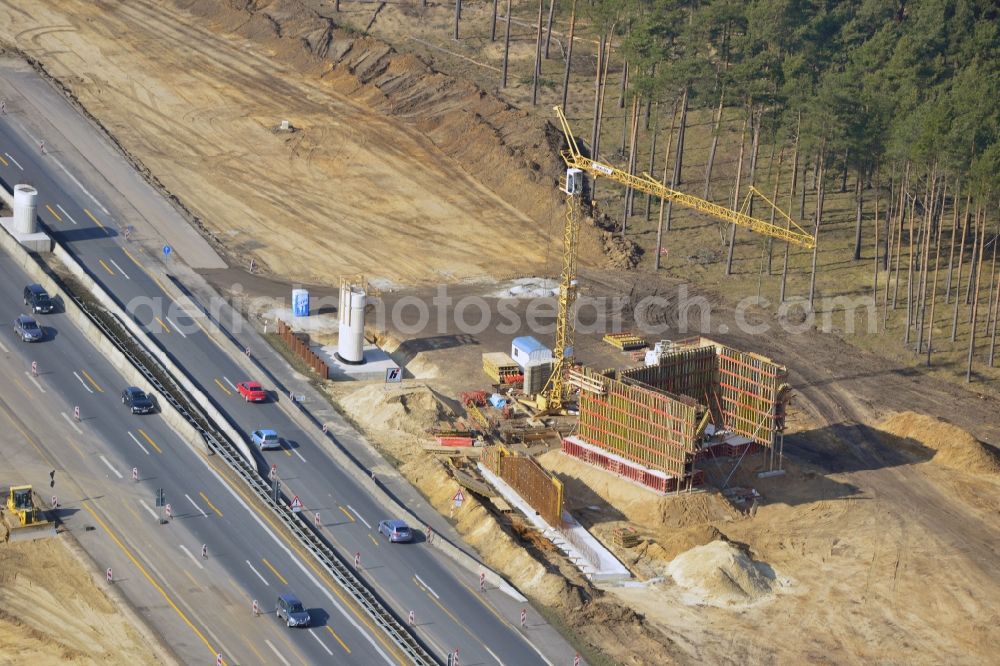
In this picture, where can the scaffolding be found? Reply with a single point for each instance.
(657, 416)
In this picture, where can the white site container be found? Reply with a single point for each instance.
(527, 350)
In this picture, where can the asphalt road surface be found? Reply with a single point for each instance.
(450, 611)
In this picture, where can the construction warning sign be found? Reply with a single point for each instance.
(459, 498)
(296, 504)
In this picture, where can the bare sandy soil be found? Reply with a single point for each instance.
(51, 611)
(194, 90)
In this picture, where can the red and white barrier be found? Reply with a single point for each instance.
(576, 660)
(326, 428)
(170, 511)
(430, 534)
(135, 473)
(218, 660)
(111, 578)
(410, 618)
(524, 617)
(316, 519)
(482, 582)
(76, 413)
(34, 368)
(256, 609)
(357, 560)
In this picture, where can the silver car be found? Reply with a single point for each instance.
(395, 530)
(27, 329)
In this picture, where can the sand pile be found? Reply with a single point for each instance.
(721, 574)
(639, 505)
(411, 409)
(952, 446)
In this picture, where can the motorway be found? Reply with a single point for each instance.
(450, 611)
(94, 458)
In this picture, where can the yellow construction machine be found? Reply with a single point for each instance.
(31, 520)
(552, 397)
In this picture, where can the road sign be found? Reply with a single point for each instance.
(459, 498)
(161, 497)
(273, 474)
(110, 577)
(296, 504)
(393, 375)
(167, 250)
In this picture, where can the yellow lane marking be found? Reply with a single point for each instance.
(166, 329)
(54, 214)
(346, 513)
(152, 581)
(191, 578)
(223, 386)
(22, 387)
(450, 614)
(106, 267)
(260, 657)
(96, 221)
(4, 161)
(134, 260)
(342, 643)
(209, 502)
(91, 380)
(274, 571)
(482, 600)
(135, 514)
(287, 452)
(149, 439)
(75, 447)
(333, 587)
(373, 540)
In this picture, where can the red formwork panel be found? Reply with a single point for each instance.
(622, 468)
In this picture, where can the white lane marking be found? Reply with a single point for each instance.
(176, 327)
(193, 558)
(33, 381)
(115, 264)
(80, 185)
(14, 161)
(139, 443)
(230, 383)
(70, 421)
(195, 506)
(429, 588)
(147, 508)
(296, 452)
(328, 650)
(359, 516)
(63, 211)
(111, 467)
(4, 348)
(82, 382)
(257, 572)
(492, 654)
(275, 651)
(292, 557)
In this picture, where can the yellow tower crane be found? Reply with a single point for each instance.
(553, 395)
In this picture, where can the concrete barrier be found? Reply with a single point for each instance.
(178, 374)
(309, 426)
(96, 336)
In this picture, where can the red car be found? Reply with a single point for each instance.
(251, 391)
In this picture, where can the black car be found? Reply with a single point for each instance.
(36, 298)
(136, 399)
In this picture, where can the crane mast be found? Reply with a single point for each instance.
(552, 397)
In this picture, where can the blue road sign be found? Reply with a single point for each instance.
(167, 250)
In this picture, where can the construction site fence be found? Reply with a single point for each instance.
(299, 344)
(542, 491)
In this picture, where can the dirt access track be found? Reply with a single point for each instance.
(392, 170)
